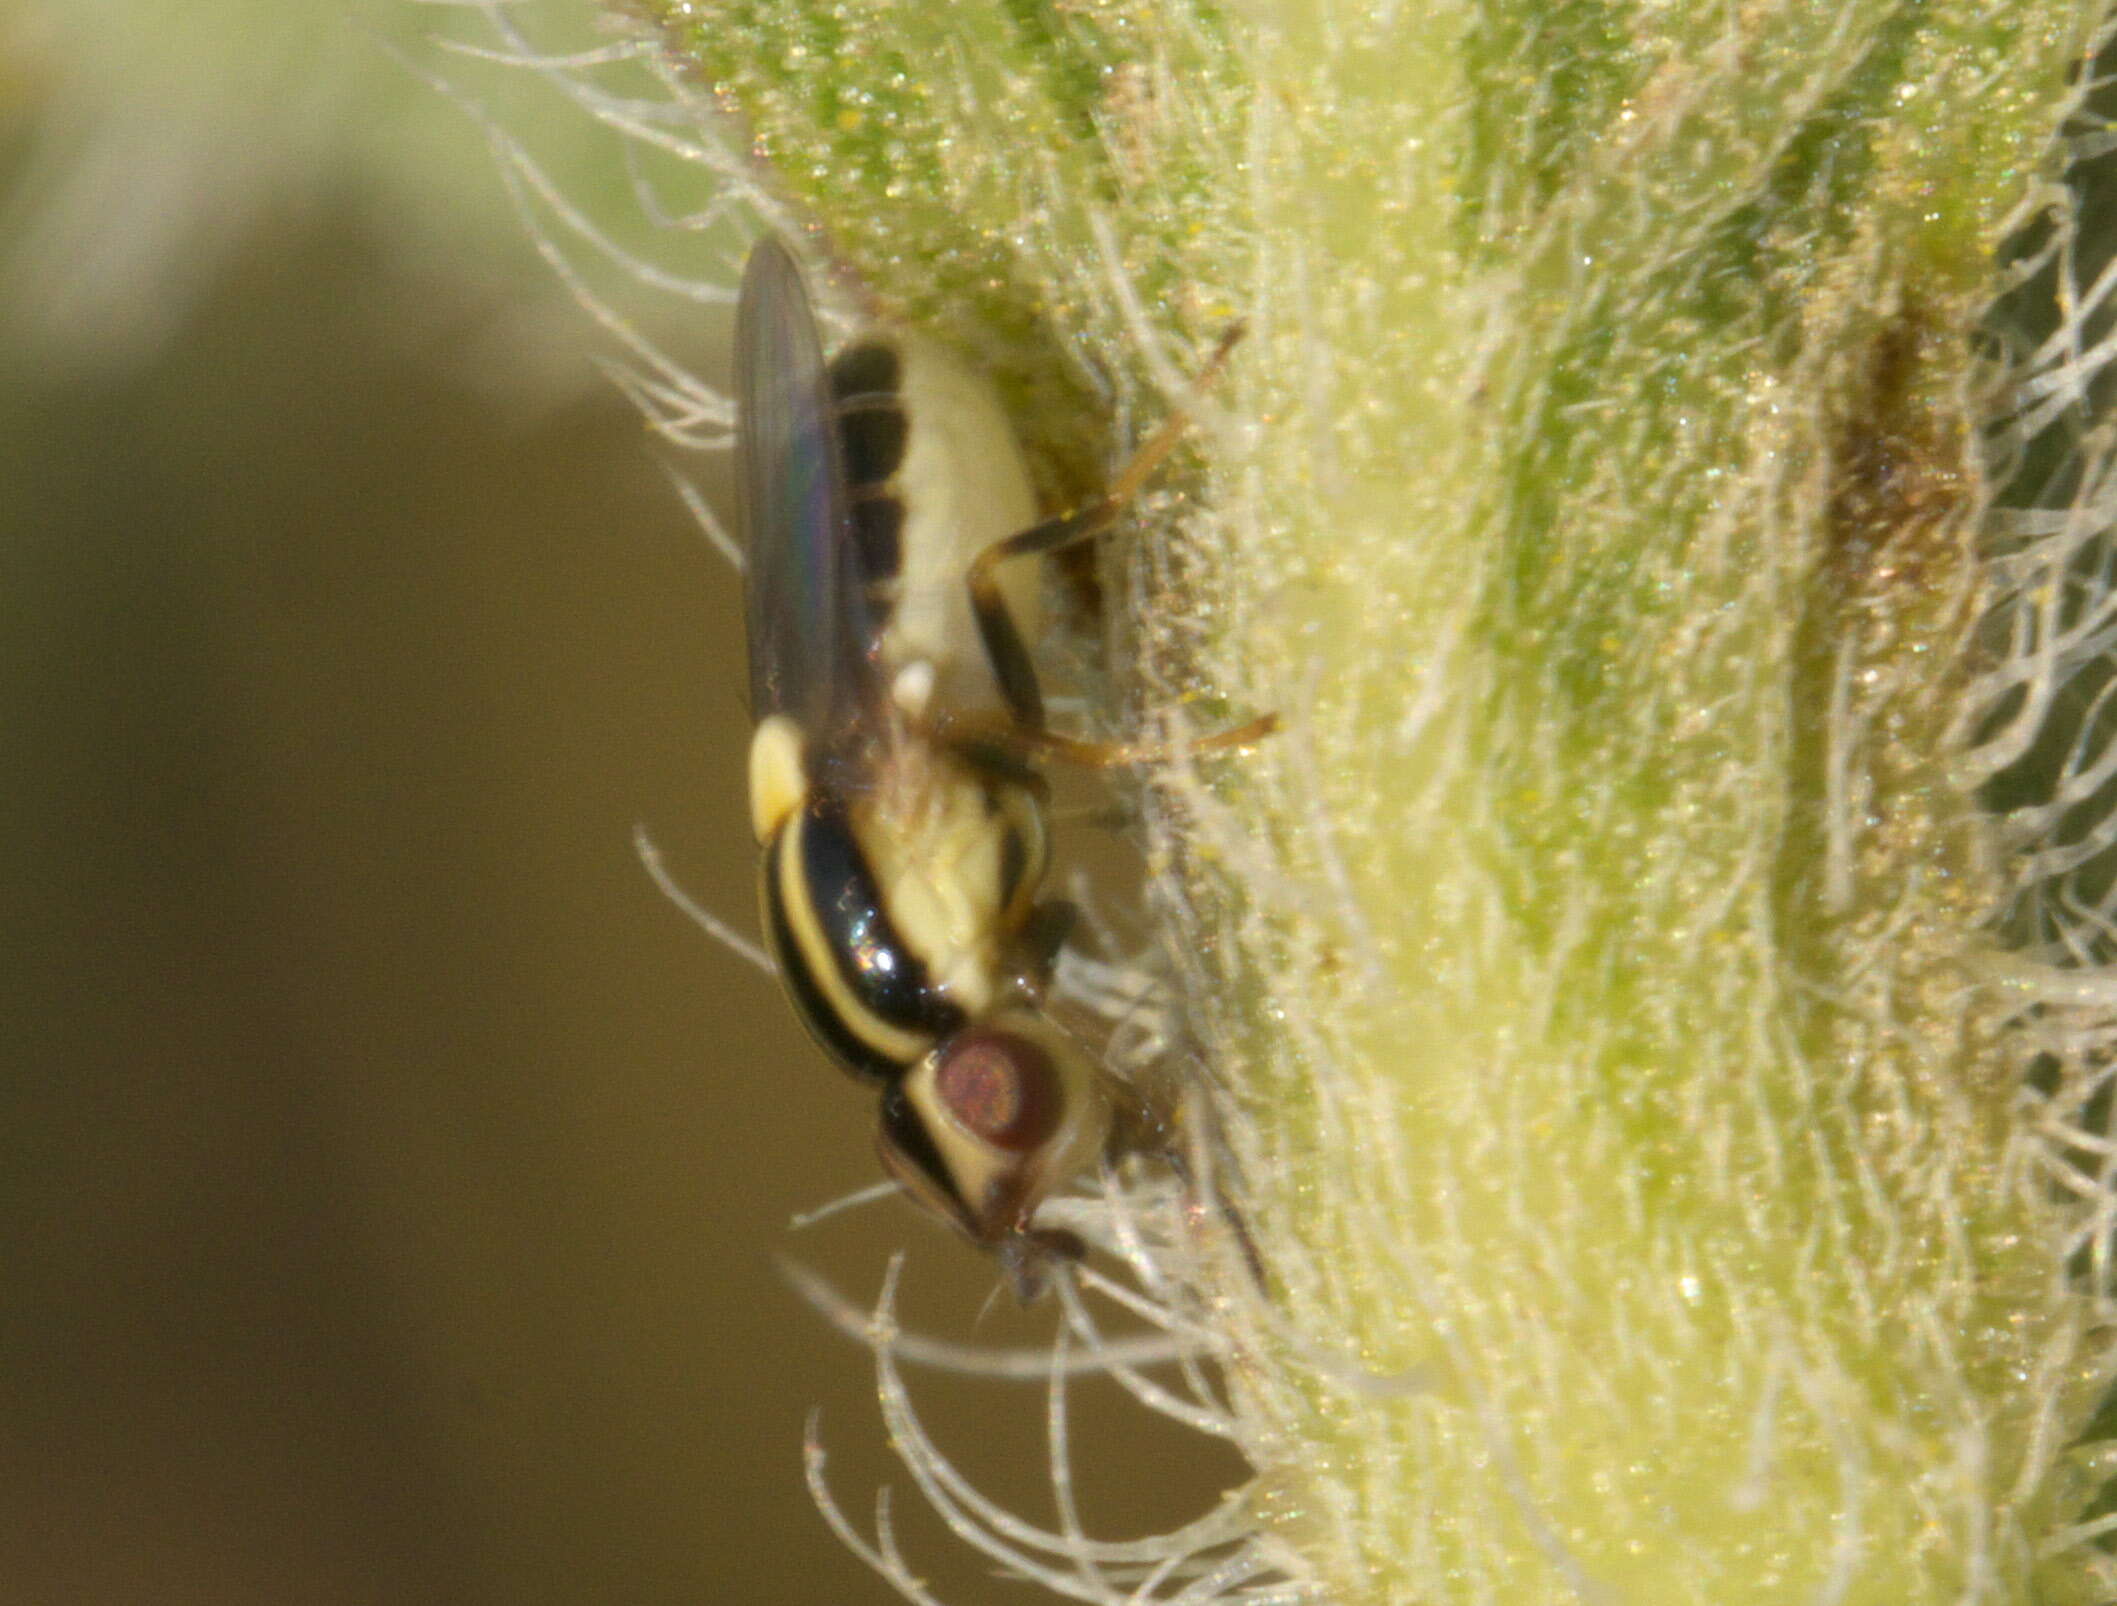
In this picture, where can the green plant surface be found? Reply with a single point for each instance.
(1597, 962)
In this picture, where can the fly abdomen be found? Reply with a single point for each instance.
(873, 428)
(878, 535)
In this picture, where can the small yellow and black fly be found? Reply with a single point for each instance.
(892, 785)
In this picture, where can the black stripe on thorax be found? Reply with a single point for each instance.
(876, 979)
(825, 1023)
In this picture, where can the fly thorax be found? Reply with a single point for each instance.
(866, 983)
(942, 857)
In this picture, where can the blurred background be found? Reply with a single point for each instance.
(390, 1178)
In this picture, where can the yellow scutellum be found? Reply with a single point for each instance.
(1629, 1082)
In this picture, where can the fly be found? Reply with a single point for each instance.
(891, 780)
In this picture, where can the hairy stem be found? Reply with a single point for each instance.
(1598, 966)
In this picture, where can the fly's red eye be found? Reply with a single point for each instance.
(1001, 1088)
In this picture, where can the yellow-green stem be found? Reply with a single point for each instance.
(1622, 1104)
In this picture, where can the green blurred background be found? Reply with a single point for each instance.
(392, 1178)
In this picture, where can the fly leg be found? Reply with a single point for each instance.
(990, 740)
(1004, 647)
(1037, 944)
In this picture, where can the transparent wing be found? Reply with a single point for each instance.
(811, 637)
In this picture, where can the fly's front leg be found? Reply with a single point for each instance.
(1038, 943)
(1032, 952)
(1004, 647)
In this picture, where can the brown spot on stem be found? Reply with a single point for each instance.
(1898, 455)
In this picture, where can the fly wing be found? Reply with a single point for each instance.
(811, 636)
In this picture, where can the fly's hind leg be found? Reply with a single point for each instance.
(1004, 647)
(991, 739)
